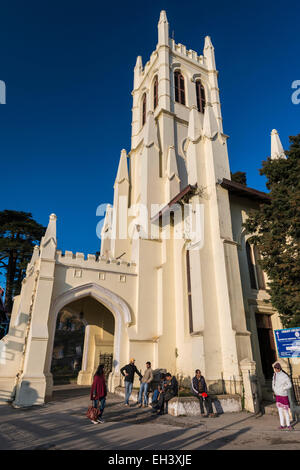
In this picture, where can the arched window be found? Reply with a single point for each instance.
(179, 87)
(144, 105)
(200, 92)
(251, 266)
(255, 272)
(155, 92)
(189, 290)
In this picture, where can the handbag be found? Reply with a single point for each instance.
(92, 413)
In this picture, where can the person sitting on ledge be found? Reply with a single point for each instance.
(199, 390)
(170, 391)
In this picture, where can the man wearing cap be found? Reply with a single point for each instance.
(128, 372)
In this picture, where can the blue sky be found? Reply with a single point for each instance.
(68, 69)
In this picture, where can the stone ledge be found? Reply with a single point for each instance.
(189, 406)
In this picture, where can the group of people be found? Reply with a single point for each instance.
(166, 390)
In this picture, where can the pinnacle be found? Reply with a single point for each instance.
(208, 42)
(163, 17)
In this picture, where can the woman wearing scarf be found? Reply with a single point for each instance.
(280, 385)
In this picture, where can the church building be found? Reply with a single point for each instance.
(177, 281)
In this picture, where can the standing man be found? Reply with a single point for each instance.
(128, 372)
(199, 390)
(145, 382)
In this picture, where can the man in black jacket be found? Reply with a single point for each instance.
(199, 389)
(170, 391)
(128, 372)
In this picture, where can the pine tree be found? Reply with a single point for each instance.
(18, 235)
(276, 232)
(239, 177)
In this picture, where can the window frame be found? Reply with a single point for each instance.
(200, 96)
(179, 87)
(144, 108)
(155, 92)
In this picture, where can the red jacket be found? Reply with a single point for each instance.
(98, 389)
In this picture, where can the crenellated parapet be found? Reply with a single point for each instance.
(90, 261)
(180, 49)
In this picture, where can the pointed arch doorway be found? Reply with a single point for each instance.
(84, 336)
(107, 317)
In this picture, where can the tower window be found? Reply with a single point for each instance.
(179, 87)
(200, 92)
(189, 290)
(251, 266)
(144, 104)
(155, 92)
(257, 278)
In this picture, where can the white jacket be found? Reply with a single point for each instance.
(281, 383)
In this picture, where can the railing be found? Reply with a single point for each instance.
(3, 328)
(296, 388)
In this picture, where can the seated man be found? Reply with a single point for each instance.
(169, 391)
(199, 390)
(157, 391)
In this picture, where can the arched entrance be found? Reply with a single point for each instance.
(68, 346)
(105, 316)
(84, 336)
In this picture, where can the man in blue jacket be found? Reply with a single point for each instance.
(199, 390)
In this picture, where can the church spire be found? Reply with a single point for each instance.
(194, 129)
(210, 124)
(163, 29)
(151, 131)
(137, 72)
(48, 241)
(122, 174)
(276, 146)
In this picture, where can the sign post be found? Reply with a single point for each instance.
(288, 342)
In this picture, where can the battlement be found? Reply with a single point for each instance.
(190, 54)
(90, 261)
(150, 62)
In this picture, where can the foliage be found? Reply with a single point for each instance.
(276, 232)
(239, 177)
(18, 235)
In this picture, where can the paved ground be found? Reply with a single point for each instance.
(61, 424)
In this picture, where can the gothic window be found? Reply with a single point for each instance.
(179, 87)
(189, 290)
(155, 92)
(259, 271)
(200, 92)
(251, 266)
(255, 272)
(144, 103)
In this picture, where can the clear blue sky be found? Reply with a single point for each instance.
(68, 68)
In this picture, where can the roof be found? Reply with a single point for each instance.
(243, 191)
(186, 191)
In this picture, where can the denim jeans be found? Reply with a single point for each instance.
(128, 390)
(143, 388)
(101, 407)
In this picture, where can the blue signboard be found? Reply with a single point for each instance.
(288, 342)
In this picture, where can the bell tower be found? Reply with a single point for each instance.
(188, 296)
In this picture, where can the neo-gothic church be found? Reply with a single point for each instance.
(181, 302)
